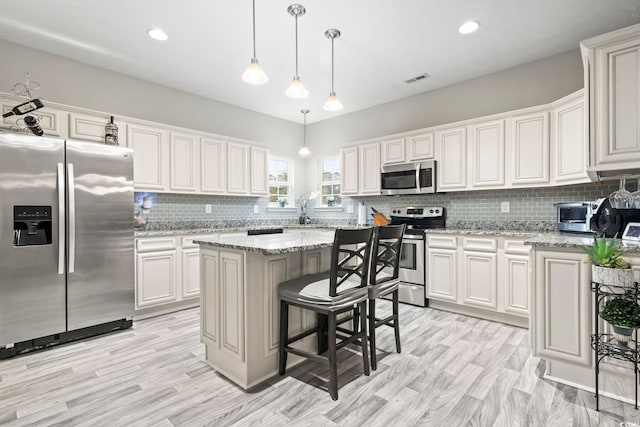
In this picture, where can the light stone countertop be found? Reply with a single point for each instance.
(482, 232)
(560, 240)
(272, 244)
(191, 231)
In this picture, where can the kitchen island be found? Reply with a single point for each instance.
(239, 306)
(562, 315)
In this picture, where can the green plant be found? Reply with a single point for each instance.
(621, 312)
(606, 254)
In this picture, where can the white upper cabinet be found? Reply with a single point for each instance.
(393, 151)
(613, 62)
(259, 171)
(237, 168)
(487, 154)
(569, 142)
(91, 128)
(452, 169)
(184, 155)
(212, 165)
(150, 157)
(349, 171)
(421, 147)
(530, 149)
(370, 168)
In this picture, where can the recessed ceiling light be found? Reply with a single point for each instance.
(157, 34)
(469, 27)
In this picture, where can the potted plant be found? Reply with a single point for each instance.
(609, 268)
(331, 201)
(282, 203)
(624, 315)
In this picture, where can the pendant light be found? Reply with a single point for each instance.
(333, 103)
(296, 90)
(304, 150)
(254, 74)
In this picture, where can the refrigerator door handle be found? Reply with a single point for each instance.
(61, 219)
(72, 218)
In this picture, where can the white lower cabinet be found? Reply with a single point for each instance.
(479, 275)
(167, 271)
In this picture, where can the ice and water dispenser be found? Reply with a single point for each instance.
(31, 225)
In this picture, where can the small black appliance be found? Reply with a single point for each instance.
(608, 221)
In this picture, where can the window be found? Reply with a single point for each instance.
(330, 181)
(280, 182)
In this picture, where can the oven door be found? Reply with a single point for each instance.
(412, 261)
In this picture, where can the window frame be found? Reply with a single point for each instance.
(289, 183)
(330, 183)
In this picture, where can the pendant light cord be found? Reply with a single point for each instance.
(297, 49)
(332, 63)
(254, 29)
(304, 130)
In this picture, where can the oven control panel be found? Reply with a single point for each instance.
(418, 212)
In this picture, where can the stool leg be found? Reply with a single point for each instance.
(363, 336)
(396, 319)
(372, 333)
(333, 361)
(284, 337)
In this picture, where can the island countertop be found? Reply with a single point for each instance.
(271, 244)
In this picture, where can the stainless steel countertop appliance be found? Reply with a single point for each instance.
(413, 271)
(575, 216)
(66, 241)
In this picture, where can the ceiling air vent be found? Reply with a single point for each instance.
(418, 78)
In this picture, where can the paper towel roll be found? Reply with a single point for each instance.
(362, 214)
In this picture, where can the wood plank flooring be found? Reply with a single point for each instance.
(453, 371)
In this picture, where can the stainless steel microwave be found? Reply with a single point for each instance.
(408, 178)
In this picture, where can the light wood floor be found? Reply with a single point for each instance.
(453, 371)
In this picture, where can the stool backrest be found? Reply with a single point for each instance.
(350, 259)
(385, 258)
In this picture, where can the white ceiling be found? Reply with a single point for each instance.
(383, 43)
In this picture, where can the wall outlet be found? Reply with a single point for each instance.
(207, 208)
(256, 208)
(505, 207)
(349, 208)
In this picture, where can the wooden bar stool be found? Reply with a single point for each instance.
(329, 295)
(383, 280)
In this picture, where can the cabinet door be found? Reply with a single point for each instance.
(91, 128)
(259, 171)
(237, 163)
(421, 147)
(479, 279)
(393, 151)
(487, 154)
(349, 171)
(184, 155)
(563, 307)
(516, 284)
(231, 307)
(150, 157)
(530, 149)
(190, 273)
(50, 120)
(616, 106)
(570, 148)
(442, 275)
(212, 165)
(452, 169)
(210, 300)
(156, 278)
(370, 168)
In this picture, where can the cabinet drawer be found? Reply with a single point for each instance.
(162, 244)
(479, 244)
(446, 242)
(516, 247)
(187, 241)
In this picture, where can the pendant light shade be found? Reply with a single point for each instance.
(333, 103)
(297, 90)
(254, 74)
(304, 150)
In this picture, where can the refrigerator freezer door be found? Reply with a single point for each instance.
(100, 282)
(32, 288)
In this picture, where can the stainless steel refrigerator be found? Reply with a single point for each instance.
(66, 241)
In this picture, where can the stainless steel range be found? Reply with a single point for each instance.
(412, 258)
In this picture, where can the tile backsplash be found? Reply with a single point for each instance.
(468, 208)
